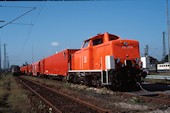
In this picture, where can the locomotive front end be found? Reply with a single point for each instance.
(127, 70)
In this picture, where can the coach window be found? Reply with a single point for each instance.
(97, 41)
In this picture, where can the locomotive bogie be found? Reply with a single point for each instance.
(87, 78)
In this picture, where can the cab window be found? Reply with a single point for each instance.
(97, 41)
(113, 38)
(86, 43)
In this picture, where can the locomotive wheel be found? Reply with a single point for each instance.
(88, 80)
(98, 83)
(92, 80)
(72, 78)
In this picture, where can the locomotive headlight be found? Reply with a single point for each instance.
(118, 60)
(137, 60)
(125, 43)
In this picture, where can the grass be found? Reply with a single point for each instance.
(13, 99)
(66, 85)
(135, 100)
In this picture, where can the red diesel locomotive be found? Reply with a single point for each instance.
(104, 60)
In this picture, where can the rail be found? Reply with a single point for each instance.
(84, 106)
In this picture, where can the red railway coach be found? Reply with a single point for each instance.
(59, 63)
(29, 69)
(24, 69)
(55, 65)
(35, 69)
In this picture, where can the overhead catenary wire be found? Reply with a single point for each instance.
(15, 6)
(32, 23)
(18, 17)
(21, 23)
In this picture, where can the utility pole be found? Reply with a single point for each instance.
(0, 52)
(168, 31)
(164, 46)
(7, 62)
(146, 50)
(0, 58)
(32, 54)
(5, 57)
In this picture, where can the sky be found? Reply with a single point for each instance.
(57, 25)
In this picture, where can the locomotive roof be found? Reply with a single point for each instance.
(104, 35)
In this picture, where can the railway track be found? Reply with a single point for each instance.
(59, 102)
(154, 97)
